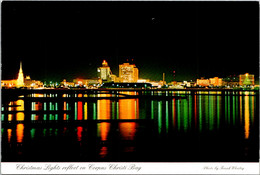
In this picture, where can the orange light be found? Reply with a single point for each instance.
(104, 63)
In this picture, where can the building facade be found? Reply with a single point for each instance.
(215, 81)
(104, 72)
(203, 82)
(128, 72)
(246, 79)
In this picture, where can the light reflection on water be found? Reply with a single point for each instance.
(199, 113)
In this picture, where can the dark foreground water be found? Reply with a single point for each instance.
(200, 127)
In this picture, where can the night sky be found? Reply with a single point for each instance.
(57, 40)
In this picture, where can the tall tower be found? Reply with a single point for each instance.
(104, 72)
(20, 80)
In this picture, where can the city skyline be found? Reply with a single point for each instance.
(73, 38)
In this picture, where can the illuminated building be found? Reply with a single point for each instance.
(104, 72)
(86, 82)
(32, 83)
(66, 84)
(128, 72)
(8, 83)
(20, 80)
(126, 85)
(246, 79)
(215, 81)
(115, 79)
(203, 82)
(143, 81)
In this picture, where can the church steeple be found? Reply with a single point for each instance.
(20, 80)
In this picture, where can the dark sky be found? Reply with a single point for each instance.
(57, 40)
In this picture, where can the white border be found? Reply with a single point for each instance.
(129, 168)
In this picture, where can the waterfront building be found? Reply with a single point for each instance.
(87, 82)
(9, 83)
(66, 84)
(20, 79)
(104, 72)
(157, 84)
(203, 82)
(29, 83)
(115, 79)
(246, 79)
(143, 81)
(215, 81)
(128, 72)
(126, 85)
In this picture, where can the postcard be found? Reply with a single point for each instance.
(130, 87)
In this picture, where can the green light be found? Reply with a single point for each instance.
(3, 108)
(56, 132)
(33, 133)
(33, 117)
(76, 111)
(99, 130)
(56, 106)
(228, 109)
(207, 111)
(218, 111)
(185, 115)
(160, 116)
(94, 111)
(200, 114)
(190, 111)
(56, 116)
(45, 117)
(234, 111)
(226, 104)
(113, 110)
(44, 132)
(211, 112)
(50, 106)
(2, 117)
(44, 106)
(167, 116)
(178, 115)
(51, 117)
(33, 106)
(117, 110)
(152, 110)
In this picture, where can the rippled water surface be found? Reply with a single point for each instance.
(158, 126)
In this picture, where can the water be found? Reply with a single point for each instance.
(199, 127)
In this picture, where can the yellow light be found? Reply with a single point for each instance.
(247, 74)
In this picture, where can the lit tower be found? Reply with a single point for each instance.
(104, 72)
(20, 80)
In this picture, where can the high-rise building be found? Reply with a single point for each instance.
(128, 72)
(203, 82)
(20, 80)
(104, 72)
(215, 81)
(246, 79)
